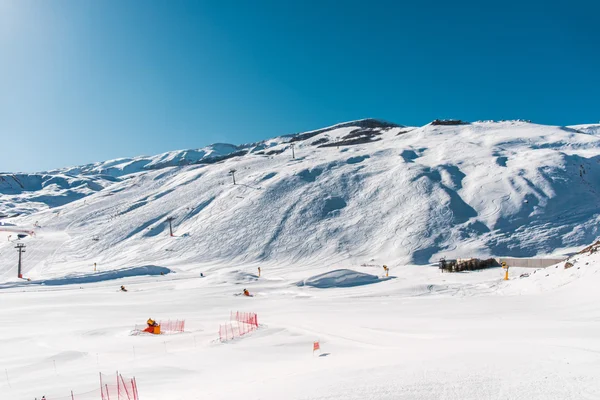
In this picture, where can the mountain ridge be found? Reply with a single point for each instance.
(400, 195)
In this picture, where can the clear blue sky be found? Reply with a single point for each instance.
(90, 80)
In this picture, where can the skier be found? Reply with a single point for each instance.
(123, 288)
(201, 275)
(246, 293)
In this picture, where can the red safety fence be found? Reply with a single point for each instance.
(93, 395)
(244, 317)
(118, 388)
(16, 230)
(241, 324)
(177, 326)
(166, 327)
(111, 388)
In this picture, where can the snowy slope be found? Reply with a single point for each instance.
(125, 166)
(424, 335)
(206, 155)
(593, 129)
(28, 193)
(401, 195)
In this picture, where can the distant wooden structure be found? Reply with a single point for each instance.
(469, 264)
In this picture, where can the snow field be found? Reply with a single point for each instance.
(460, 336)
(488, 188)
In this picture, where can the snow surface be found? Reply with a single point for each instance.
(339, 278)
(484, 189)
(405, 196)
(29, 193)
(424, 335)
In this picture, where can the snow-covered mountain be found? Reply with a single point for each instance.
(355, 192)
(28, 193)
(206, 155)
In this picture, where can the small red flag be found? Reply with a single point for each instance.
(316, 346)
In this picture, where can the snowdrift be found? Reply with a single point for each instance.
(77, 279)
(340, 278)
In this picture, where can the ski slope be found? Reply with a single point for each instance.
(319, 226)
(423, 335)
(405, 196)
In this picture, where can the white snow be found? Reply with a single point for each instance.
(339, 278)
(423, 335)
(328, 220)
(504, 189)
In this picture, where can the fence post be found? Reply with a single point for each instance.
(125, 387)
(101, 388)
(72, 397)
(7, 380)
(137, 397)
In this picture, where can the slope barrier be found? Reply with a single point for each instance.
(118, 388)
(111, 388)
(166, 327)
(241, 324)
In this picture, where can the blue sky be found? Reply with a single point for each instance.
(88, 80)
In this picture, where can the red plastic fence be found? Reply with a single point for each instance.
(93, 395)
(242, 324)
(244, 317)
(177, 326)
(118, 388)
(111, 388)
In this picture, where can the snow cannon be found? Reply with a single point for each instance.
(153, 327)
(505, 266)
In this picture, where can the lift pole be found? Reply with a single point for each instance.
(170, 219)
(21, 249)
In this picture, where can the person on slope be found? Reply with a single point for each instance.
(123, 288)
(246, 293)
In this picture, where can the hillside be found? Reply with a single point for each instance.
(355, 192)
(319, 226)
